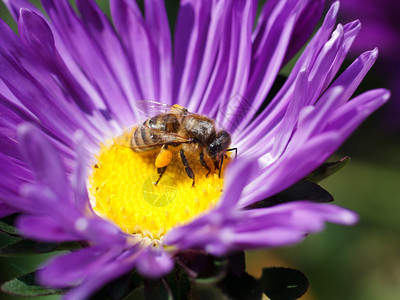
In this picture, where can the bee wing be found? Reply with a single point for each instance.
(158, 138)
(152, 108)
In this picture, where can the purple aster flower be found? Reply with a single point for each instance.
(69, 93)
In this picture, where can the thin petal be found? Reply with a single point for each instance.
(155, 263)
(305, 25)
(134, 35)
(268, 118)
(115, 55)
(159, 31)
(44, 229)
(190, 35)
(79, 176)
(108, 271)
(83, 49)
(237, 176)
(38, 38)
(14, 7)
(265, 68)
(6, 210)
(44, 160)
(232, 68)
(70, 269)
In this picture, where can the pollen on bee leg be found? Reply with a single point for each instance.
(121, 189)
(163, 158)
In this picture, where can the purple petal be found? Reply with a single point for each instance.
(80, 176)
(155, 263)
(39, 40)
(106, 273)
(305, 25)
(289, 121)
(266, 66)
(6, 210)
(235, 53)
(114, 53)
(83, 49)
(12, 115)
(70, 269)
(290, 168)
(222, 231)
(271, 237)
(353, 75)
(190, 35)
(100, 231)
(357, 110)
(270, 116)
(44, 229)
(66, 217)
(39, 101)
(14, 7)
(134, 35)
(159, 32)
(351, 31)
(236, 177)
(43, 159)
(213, 67)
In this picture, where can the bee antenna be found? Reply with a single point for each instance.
(233, 149)
(220, 167)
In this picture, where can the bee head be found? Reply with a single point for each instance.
(219, 144)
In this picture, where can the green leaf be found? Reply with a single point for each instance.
(327, 169)
(157, 290)
(27, 247)
(7, 225)
(67, 246)
(283, 283)
(206, 291)
(202, 266)
(179, 283)
(19, 248)
(136, 294)
(26, 285)
(302, 190)
(119, 287)
(244, 287)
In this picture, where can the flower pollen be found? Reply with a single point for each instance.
(122, 190)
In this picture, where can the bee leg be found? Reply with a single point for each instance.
(162, 161)
(204, 164)
(220, 167)
(160, 172)
(188, 170)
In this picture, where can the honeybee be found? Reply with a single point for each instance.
(175, 126)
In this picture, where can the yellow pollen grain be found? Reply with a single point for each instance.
(122, 190)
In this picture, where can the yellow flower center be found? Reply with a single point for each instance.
(122, 189)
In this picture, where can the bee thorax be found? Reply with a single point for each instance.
(200, 129)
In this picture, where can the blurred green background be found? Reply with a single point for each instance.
(360, 262)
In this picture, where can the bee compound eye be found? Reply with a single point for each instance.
(212, 149)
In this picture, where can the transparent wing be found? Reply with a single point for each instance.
(157, 138)
(152, 108)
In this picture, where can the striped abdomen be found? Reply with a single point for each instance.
(153, 133)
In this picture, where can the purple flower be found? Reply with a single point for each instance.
(77, 80)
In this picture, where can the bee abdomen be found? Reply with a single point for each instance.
(149, 135)
(138, 144)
